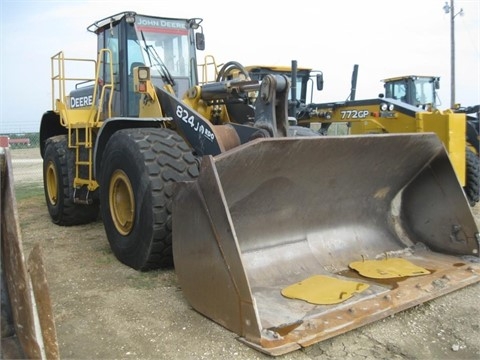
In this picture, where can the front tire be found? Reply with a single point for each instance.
(58, 170)
(138, 169)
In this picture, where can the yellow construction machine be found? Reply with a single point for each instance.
(409, 105)
(269, 232)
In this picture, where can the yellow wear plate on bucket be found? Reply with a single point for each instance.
(387, 268)
(323, 290)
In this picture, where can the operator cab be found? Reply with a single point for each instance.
(419, 91)
(301, 91)
(304, 78)
(166, 45)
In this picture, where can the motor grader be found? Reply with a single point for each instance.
(409, 105)
(269, 232)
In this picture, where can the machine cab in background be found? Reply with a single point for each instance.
(167, 45)
(302, 81)
(415, 90)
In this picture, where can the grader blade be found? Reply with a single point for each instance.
(274, 213)
(28, 327)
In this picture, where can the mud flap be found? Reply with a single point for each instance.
(273, 212)
(28, 328)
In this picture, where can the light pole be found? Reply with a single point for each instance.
(451, 9)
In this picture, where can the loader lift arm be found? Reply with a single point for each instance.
(270, 113)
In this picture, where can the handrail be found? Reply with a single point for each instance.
(60, 80)
(209, 61)
(105, 86)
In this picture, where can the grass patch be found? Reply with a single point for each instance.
(106, 256)
(144, 280)
(28, 190)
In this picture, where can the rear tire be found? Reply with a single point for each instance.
(138, 169)
(472, 185)
(58, 170)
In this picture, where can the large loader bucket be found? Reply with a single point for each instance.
(27, 323)
(274, 212)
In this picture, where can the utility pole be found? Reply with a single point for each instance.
(451, 9)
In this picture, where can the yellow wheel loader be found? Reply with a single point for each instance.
(266, 228)
(409, 105)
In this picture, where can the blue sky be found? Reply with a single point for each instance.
(384, 37)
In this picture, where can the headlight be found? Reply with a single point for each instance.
(383, 107)
(143, 73)
(130, 18)
(391, 107)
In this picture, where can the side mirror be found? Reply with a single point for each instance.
(319, 82)
(200, 41)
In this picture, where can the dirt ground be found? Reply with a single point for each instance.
(105, 310)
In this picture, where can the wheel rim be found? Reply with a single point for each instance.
(52, 184)
(122, 202)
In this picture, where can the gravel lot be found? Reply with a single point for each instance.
(105, 310)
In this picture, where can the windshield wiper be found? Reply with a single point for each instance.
(159, 64)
